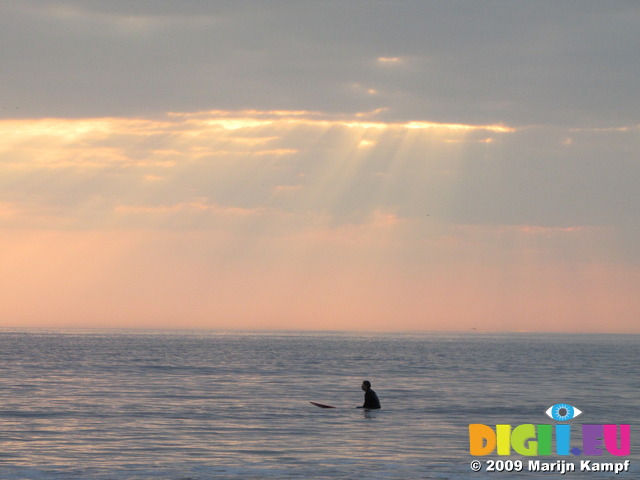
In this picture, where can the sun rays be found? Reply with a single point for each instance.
(235, 159)
(228, 215)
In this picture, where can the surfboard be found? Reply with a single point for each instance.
(321, 405)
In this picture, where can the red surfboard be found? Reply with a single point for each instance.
(321, 405)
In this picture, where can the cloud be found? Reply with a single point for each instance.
(463, 62)
(535, 177)
(347, 163)
(279, 174)
(343, 168)
(331, 164)
(389, 60)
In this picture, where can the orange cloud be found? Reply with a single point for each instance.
(281, 219)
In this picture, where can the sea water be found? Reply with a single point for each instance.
(209, 405)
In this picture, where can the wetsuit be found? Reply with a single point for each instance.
(371, 400)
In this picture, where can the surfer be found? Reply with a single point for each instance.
(371, 400)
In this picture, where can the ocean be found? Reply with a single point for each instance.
(195, 405)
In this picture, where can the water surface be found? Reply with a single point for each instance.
(199, 405)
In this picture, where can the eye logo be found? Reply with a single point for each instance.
(562, 412)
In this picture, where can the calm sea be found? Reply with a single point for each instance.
(206, 405)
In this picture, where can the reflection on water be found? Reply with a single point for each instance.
(122, 406)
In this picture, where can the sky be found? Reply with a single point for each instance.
(320, 165)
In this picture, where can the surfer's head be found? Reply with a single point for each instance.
(366, 385)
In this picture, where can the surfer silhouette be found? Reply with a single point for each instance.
(371, 400)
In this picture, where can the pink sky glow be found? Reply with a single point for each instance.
(294, 220)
